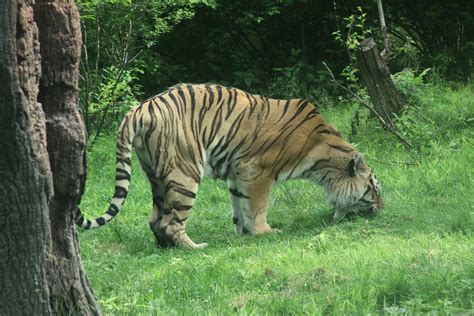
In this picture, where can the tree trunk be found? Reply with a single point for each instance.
(376, 75)
(42, 166)
(25, 186)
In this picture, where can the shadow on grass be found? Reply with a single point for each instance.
(309, 221)
(138, 240)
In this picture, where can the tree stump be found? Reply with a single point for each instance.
(386, 98)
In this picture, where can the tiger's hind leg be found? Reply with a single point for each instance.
(158, 191)
(179, 199)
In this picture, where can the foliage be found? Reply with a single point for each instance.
(115, 95)
(246, 78)
(117, 35)
(296, 80)
(261, 46)
(443, 33)
(415, 257)
(356, 30)
(420, 124)
(355, 24)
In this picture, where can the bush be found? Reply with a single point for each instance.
(435, 110)
(115, 94)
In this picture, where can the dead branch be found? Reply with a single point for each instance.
(383, 28)
(364, 103)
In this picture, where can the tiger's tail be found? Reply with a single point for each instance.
(122, 176)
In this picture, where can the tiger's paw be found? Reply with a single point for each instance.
(339, 215)
(193, 246)
(201, 245)
(264, 229)
(187, 243)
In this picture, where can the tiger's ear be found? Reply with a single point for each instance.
(356, 165)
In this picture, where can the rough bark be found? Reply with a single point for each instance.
(60, 38)
(40, 267)
(376, 75)
(25, 186)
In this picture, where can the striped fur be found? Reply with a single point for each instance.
(247, 140)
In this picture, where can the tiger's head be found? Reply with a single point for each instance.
(361, 193)
(351, 185)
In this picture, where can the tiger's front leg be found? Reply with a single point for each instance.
(237, 216)
(253, 199)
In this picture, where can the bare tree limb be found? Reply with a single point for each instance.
(386, 42)
(364, 103)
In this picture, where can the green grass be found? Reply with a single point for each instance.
(417, 256)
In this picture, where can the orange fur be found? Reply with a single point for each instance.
(247, 140)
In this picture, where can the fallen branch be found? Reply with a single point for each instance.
(388, 127)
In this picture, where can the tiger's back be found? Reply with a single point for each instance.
(222, 128)
(247, 140)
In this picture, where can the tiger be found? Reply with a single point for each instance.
(249, 141)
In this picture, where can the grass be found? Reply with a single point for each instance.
(417, 256)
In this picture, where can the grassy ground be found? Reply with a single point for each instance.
(417, 256)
